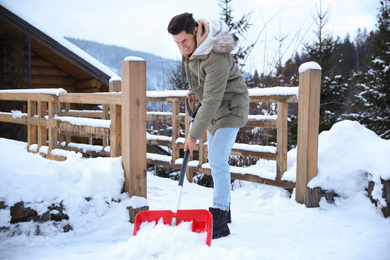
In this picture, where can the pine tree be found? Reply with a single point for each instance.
(372, 101)
(363, 47)
(334, 87)
(237, 29)
(175, 78)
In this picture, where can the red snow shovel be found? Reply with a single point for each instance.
(202, 220)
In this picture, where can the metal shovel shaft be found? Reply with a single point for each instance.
(184, 164)
(180, 185)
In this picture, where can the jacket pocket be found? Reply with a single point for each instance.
(222, 111)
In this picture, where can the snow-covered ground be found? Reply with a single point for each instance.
(267, 222)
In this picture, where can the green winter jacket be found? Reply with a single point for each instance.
(216, 81)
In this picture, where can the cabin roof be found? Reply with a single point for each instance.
(55, 49)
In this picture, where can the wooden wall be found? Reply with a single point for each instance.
(46, 70)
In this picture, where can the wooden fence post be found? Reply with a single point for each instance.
(115, 85)
(308, 128)
(175, 131)
(115, 117)
(42, 132)
(281, 141)
(31, 129)
(134, 128)
(52, 131)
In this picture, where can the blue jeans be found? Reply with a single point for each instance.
(219, 148)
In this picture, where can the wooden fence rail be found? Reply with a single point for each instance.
(281, 96)
(120, 125)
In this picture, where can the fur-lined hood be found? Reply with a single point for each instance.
(213, 35)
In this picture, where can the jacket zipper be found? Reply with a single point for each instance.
(189, 74)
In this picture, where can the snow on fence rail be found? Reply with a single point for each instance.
(52, 124)
(52, 128)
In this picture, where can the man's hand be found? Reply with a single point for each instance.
(190, 144)
(191, 96)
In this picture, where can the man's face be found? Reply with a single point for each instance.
(186, 42)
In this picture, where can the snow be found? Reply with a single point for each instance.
(158, 137)
(262, 117)
(355, 156)
(133, 58)
(116, 78)
(267, 222)
(255, 148)
(81, 121)
(17, 114)
(52, 91)
(137, 202)
(158, 157)
(167, 93)
(86, 147)
(273, 91)
(311, 65)
(57, 152)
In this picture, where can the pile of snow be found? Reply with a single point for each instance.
(349, 156)
(267, 222)
(39, 183)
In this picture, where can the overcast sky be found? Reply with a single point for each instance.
(141, 24)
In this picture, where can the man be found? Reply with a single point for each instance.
(215, 80)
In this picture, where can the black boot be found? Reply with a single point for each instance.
(220, 227)
(229, 217)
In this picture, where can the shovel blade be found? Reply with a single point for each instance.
(202, 220)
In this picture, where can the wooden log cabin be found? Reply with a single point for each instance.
(31, 57)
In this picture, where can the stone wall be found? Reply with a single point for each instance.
(385, 196)
(22, 213)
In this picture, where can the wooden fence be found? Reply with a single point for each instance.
(51, 123)
(119, 128)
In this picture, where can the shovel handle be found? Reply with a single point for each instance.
(180, 185)
(183, 167)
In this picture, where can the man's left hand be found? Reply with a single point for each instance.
(190, 144)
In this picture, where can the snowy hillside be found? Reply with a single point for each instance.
(267, 223)
(157, 68)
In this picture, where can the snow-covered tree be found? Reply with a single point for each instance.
(237, 28)
(334, 87)
(371, 105)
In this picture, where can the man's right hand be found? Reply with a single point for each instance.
(191, 96)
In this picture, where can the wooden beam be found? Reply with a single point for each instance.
(134, 126)
(42, 130)
(102, 131)
(254, 154)
(175, 131)
(52, 80)
(274, 98)
(281, 143)
(31, 129)
(308, 127)
(115, 85)
(165, 118)
(115, 131)
(87, 84)
(20, 96)
(53, 132)
(47, 70)
(263, 123)
(81, 113)
(98, 98)
(8, 118)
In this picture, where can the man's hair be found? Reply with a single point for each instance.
(182, 22)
